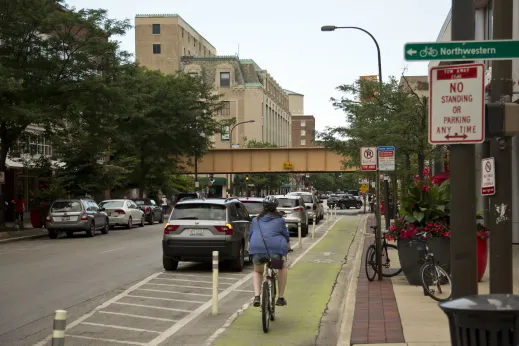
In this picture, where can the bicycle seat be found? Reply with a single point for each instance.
(420, 236)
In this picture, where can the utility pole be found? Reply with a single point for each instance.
(463, 181)
(501, 274)
(387, 214)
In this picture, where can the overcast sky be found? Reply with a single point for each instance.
(284, 37)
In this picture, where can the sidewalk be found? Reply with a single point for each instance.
(28, 232)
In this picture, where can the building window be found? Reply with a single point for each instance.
(225, 133)
(303, 133)
(204, 51)
(226, 110)
(155, 29)
(182, 32)
(194, 42)
(156, 48)
(225, 79)
(189, 52)
(303, 123)
(188, 37)
(193, 74)
(184, 51)
(303, 142)
(200, 47)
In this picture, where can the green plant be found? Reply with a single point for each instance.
(46, 194)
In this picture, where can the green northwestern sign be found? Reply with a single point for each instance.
(462, 50)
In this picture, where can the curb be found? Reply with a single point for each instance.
(9, 240)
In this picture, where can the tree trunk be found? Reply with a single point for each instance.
(143, 176)
(421, 163)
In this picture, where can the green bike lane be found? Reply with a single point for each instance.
(310, 284)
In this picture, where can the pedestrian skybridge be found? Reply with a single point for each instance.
(270, 160)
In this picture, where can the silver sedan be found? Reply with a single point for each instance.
(123, 212)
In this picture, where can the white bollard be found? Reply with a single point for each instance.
(313, 229)
(215, 283)
(299, 242)
(327, 216)
(58, 331)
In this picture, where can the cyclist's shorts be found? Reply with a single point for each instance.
(262, 258)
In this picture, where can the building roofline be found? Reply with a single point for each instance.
(290, 92)
(173, 15)
(445, 25)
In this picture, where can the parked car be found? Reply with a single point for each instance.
(254, 205)
(184, 195)
(76, 215)
(294, 211)
(197, 227)
(123, 212)
(314, 207)
(332, 201)
(152, 211)
(348, 201)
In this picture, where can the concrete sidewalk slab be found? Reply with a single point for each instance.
(26, 234)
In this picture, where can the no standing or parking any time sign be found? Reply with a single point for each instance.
(488, 177)
(368, 158)
(457, 104)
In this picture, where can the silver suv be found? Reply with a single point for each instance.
(314, 207)
(197, 227)
(293, 210)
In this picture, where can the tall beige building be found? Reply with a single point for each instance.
(249, 94)
(162, 39)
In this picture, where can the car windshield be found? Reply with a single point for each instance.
(253, 207)
(287, 202)
(66, 207)
(199, 211)
(307, 198)
(111, 204)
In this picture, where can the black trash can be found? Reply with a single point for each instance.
(484, 320)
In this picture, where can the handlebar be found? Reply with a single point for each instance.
(418, 237)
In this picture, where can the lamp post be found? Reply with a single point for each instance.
(377, 207)
(230, 139)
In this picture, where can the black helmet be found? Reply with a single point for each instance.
(270, 203)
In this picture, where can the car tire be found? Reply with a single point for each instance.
(91, 232)
(111, 227)
(358, 206)
(53, 234)
(161, 220)
(238, 263)
(129, 225)
(104, 230)
(141, 224)
(152, 219)
(169, 264)
(69, 234)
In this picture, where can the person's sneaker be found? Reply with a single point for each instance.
(256, 301)
(281, 302)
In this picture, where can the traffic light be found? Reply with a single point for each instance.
(247, 177)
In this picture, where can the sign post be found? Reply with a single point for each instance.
(368, 159)
(488, 177)
(457, 104)
(462, 50)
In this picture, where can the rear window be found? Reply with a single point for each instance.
(111, 204)
(66, 207)
(253, 207)
(139, 202)
(288, 202)
(184, 195)
(194, 211)
(307, 198)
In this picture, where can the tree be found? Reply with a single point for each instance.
(51, 57)
(334, 181)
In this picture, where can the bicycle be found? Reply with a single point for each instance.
(371, 259)
(268, 295)
(434, 278)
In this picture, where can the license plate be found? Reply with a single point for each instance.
(196, 232)
(65, 218)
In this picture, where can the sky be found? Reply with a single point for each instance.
(284, 38)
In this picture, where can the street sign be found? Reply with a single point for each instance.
(363, 188)
(386, 158)
(462, 50)
(488, 177)
(368, 158)
(197, 184)
(457, 104)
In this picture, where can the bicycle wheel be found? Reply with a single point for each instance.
(390, 267)
(436, 282)
(370, 263)
(265, 306)
(272, 298)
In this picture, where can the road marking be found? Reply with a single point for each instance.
(169, 299)
(119, 248)
(102, 306)
(202, 288)
(205, 282)
(194, 294)
(120, 327)
(138, 316)
(151, 307)
(207, 276)
(107, 340)
(248, 291)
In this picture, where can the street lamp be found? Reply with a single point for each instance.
(232, 128)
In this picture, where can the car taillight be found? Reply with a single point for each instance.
(84, 217)
(147, 209)
(49, 219)
(170, 229)
(227, 229)
(120, 212)
(299, 209)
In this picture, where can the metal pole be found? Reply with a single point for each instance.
(387, 215)
(378, 233)
(215, 283)
(463, 182)
(501, 275)
(58, 331)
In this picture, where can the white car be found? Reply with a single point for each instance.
(123, 212)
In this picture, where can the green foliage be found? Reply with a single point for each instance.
(334, 181)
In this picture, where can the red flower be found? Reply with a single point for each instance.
(426, 172)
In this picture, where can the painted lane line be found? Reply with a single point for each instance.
(119, 248)
(248, 291)
(200, 281)
(202, 288)
(138, 316)
(100, 307)
(120, 327)
(183, 322)
(151, 307)
(201, 276)
(168, 299)
(106, 340)
(175, 292)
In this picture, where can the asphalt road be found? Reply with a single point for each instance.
(114, 290)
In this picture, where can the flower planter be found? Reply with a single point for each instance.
(482, 251)
(410, 257)
(38, 216)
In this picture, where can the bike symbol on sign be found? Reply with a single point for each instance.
(368, 154)
(428, 51)
(488, 167)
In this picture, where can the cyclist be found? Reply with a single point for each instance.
(269, 229)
